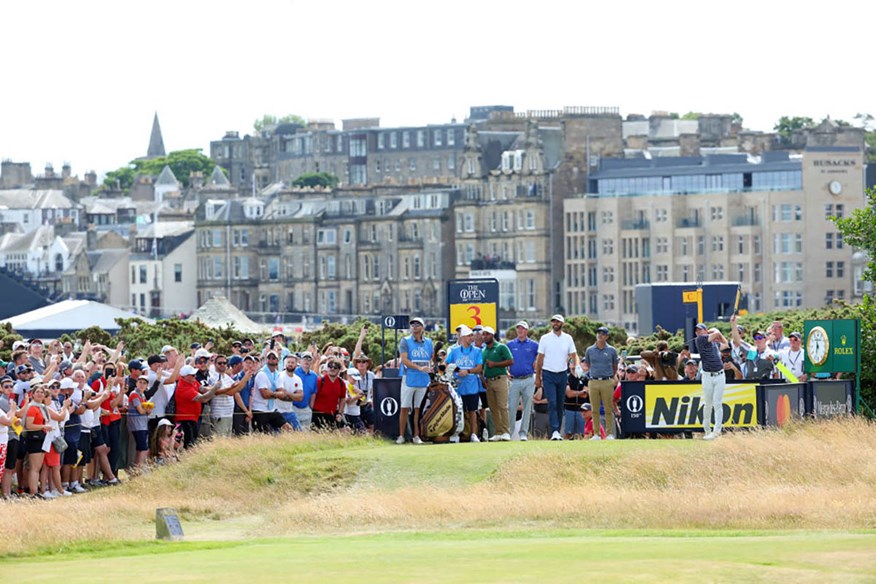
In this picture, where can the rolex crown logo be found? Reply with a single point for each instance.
(843, 340)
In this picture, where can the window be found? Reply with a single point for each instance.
(787, 212)
(718, 243)
(381, 141)
(755, 242)
(393, 140)
(757, 272)
(133, 274)
(833, 211)
(607, 275)
(716, 213)
(660, 215)
(662, 245)
(376, 267)
(683, 246)
(469, 223)
(451, 138)
(828, 270)
(662, 273)
(217, 238)
(436, 138)
(436, 164)
(326, 236)
(717, 272)
(607, 246)
(217, 268)
(701, 245)
(607, 217)
(406, 139)
(840, 269)
(273, 268)
(421, 138)
(416, 267)
(530, 219)
(331, 267)
(608, 301)
(839, 240)
(177, 273)
(740, 244)
(143, 274)
(451, 163)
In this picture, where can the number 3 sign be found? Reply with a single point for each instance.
(473, 303)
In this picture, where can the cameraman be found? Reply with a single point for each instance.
(663, 361)
(731, 370)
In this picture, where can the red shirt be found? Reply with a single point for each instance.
(186, 406)
(328, 394)
(107, 412)
(588, 429)
(36, 412)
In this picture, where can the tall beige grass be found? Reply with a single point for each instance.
(807, 476)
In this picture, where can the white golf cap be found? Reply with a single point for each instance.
(166, 349)
(489, 329)
(522, 323)
(67, 383)
(463, 331)
(187, 370)
(558, 317)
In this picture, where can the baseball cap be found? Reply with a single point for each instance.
(477, 328)
(522, 323)
(35, 342)
(417, 319)
(274, 353)
(353, 372)
(202, 353)
(236, 343)
(153, 359)
(165, 422)
(632, 369)
(559, 317)
(136, 365)
(603, 330)
(740, 328)
(5, 378)
(3, 363)
(463, 331)
(586, 407)
(307, 355)
(65, 365)
(760, 334)
(797, 335)
(195, 346)
(19, 345)
(166, 348)
(67, 383)
(489, 329)
(727, 350)
(187, 370)
(23, 368)
(691, 362)
(234, 360)
(701, 326)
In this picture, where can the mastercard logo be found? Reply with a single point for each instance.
(783, 410)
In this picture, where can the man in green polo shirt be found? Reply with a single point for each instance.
(497, 358)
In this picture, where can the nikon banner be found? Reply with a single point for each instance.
(673, 406)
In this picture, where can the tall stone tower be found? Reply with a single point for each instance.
(156, 143)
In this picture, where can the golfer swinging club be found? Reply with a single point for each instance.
(713, 379)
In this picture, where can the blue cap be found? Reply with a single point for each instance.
(702, 326)
(235, 360)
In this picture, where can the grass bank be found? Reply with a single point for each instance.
(805, 477)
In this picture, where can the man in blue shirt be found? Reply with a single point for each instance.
(415, 354)
(309, 381)
(522, 372)
(467, 364)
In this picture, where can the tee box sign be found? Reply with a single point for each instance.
(831, 345)
(472, 302)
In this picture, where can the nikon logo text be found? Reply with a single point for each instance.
(688, 411)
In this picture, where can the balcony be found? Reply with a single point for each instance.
(269, 246)
(633, 224)
(745, 221)
(688, 222)
(492, 264)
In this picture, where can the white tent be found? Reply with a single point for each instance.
(219, 312)
(68, 316)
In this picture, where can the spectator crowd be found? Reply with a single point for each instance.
(72, 417)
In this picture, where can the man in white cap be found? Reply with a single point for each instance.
(601, 361)
(713, 379)
(555, 350)
(467, 362)
(415, 353)
(524, 351)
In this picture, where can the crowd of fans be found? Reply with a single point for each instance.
(69, 420)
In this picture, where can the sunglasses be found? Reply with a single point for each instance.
(413, 324)
(759, 337)
(272, 358)
(334, 366)
(7, 386)
(221, 362)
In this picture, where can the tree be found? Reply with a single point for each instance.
(691, 116)
(866, 121)
(181, 162)
(859, 231)
(272, 120)
(316, 179)
(786, 126)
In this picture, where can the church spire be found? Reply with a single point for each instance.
(156, 143)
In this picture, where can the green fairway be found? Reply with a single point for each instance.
(477, 556)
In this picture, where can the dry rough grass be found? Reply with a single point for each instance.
(808, 476)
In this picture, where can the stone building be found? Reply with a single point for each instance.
(327, 254)
(762, 221)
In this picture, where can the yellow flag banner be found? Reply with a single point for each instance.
(787, 372)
